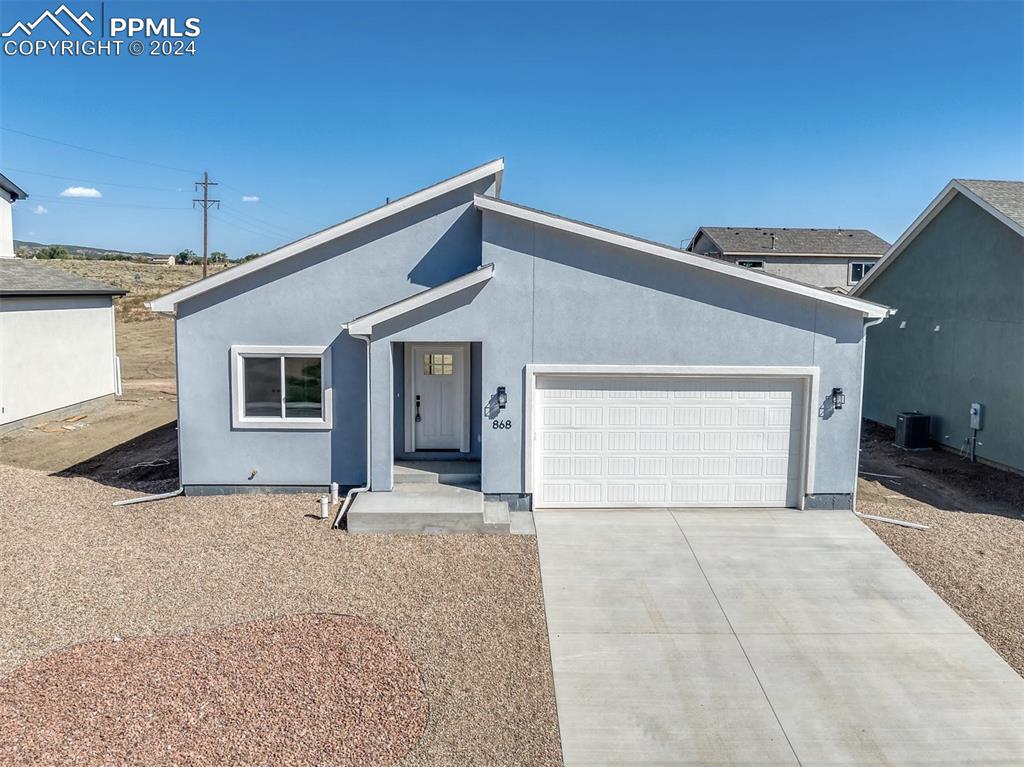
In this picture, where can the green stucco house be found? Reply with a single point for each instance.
(956, 279)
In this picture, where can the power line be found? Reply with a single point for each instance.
(267, 225)
(93, 181)
(64, 200)
(94, 151)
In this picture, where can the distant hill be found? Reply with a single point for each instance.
(24, 248)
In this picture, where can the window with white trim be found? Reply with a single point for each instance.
(751, 264)
(287, 387)
(859, 270)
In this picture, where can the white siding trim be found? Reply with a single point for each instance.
(866, 308)
(809, 374)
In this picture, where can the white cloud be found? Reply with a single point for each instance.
(250, 198)
(81, 191)
(39, 210)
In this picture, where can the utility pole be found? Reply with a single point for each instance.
(206, 202)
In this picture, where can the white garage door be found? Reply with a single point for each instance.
(609, 442)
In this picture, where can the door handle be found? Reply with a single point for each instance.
(418, 419)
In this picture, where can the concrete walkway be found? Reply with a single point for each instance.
(756, 637)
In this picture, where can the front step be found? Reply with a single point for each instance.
(461, 473)
(427, 507)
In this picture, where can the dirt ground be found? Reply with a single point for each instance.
(153, 280)
(468, 609)
(972, 555)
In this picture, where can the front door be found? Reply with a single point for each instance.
(438, 400)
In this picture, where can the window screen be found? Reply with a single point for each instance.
(303, 395)
(262, 386)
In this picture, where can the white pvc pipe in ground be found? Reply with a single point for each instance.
(148, 498)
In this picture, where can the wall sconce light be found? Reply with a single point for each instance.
(838, 398)
(502, 398)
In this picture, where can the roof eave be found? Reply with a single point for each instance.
(168, 304)
(363, 326)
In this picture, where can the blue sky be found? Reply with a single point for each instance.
(652, 119)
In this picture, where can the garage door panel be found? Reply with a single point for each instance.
(683, 442)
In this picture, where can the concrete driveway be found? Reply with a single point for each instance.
(761, 637)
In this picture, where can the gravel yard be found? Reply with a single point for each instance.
(972, 555)
(468, 610)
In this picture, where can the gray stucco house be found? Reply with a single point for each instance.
(835, 259)
(957, 278)
(581, 367)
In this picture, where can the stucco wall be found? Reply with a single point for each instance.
(559, 298)
(821, 272)
(54, 352)
(305, 301)
(958, 336)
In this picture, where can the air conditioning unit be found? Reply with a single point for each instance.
(912, 430)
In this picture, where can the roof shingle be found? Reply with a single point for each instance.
(1005, 196)
(839, 242)
(19, 277)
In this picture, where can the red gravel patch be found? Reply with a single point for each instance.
(304, 690)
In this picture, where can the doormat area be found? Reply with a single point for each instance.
(306, 689)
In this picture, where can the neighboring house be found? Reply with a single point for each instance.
(162, 260)
(835, 259)
(957, 278)
(10, 193)
(57, 348)
(580, 366)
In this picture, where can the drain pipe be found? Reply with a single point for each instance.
(148, 498)
(351, 494)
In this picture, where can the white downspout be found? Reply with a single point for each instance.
(860, 423)
(351, 494)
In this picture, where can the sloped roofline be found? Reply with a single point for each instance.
(951, 190)
(762, 253)
(867, 308)
(363, 326)
(14, 192)
(166, 304)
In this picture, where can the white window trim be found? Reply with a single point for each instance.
(810, 376)
(849, 271)
(241, 421)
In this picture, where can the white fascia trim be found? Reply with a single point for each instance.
(166, 304)
(941, 201)
(809, 374)
(867, 308)
(363, 326)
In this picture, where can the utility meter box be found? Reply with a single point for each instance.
(976, 410)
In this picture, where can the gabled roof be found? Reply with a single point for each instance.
(784, 241)
(11, 190)
(1004, 200)
(166, 304)
(1007, 197)
(867, 308)
(19, 277)
(363, 326)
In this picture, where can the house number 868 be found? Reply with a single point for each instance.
(501, 424)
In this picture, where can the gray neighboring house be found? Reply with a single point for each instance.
(956, 277)
(835, 259)
(581, 367)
